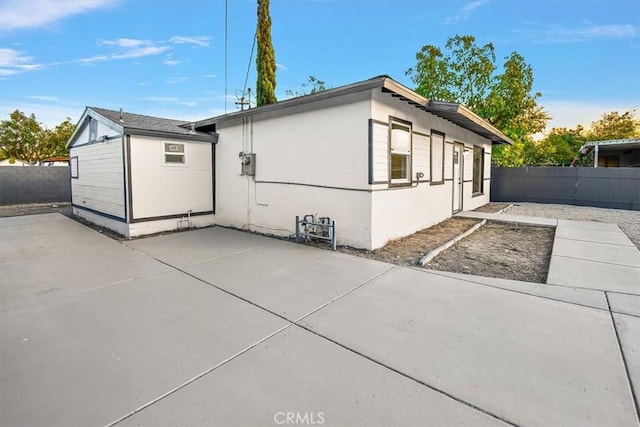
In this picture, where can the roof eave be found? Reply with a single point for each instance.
(458, 114)
(199, 136)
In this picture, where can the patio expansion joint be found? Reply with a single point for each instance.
(197, 377)
(591, 289)
(624, 361)
(241, 352)
(597, 261)
(408, 376)
(435, 272)
(624, 245)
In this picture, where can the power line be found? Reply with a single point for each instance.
(226, 41)
(253, 47)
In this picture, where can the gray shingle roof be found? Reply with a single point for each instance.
(131, 121)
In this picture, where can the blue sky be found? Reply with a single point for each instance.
(166, 57)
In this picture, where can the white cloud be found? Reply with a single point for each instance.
(161, 98)
(127, 43)
(465, 12)
(209, 76)
(43, 98)
(201, 41)
(128, 48)
(17, 14)
(281, 67)
(176, 80)
(169, 60)
(544, 33)
(15, 62)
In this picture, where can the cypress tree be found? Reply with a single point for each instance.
(266, 59)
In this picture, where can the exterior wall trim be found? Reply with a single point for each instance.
(176, 216)
(106, 215)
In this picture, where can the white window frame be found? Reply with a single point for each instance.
(395, 123)
(167, 150)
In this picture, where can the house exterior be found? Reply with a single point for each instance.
(139, 175)
(376, 157)
(623, 153)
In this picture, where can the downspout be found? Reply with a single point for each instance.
(595, 155)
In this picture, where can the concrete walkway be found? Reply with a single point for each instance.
(219, 327)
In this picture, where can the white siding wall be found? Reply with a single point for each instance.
(421, 155)
(380, 151)
(401, 211)
(162, 190)
(100, 183)
(326, 147)
(448, 160)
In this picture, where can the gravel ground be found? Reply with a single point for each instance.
(628, 221)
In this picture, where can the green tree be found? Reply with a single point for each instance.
(59, 136)
(467, 73)
(266, 59)
(614, 125)
(24, 138)
(312, 85)
(560, 146)
(464, 73)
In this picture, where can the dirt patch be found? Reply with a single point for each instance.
(408, 250)
(492, 207)
(506, 251)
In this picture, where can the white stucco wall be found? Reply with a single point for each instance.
(166, 189)
(317, 162)
(100, 182)
(299, 155)
(397, 212)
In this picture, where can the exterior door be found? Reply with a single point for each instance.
(458, 149)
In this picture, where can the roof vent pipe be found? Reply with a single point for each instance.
(121, 116)
(193, 128)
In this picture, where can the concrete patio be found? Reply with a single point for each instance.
(220, 327)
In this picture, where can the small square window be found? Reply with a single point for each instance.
(174, 154)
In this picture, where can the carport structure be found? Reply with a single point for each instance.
(220, 327)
